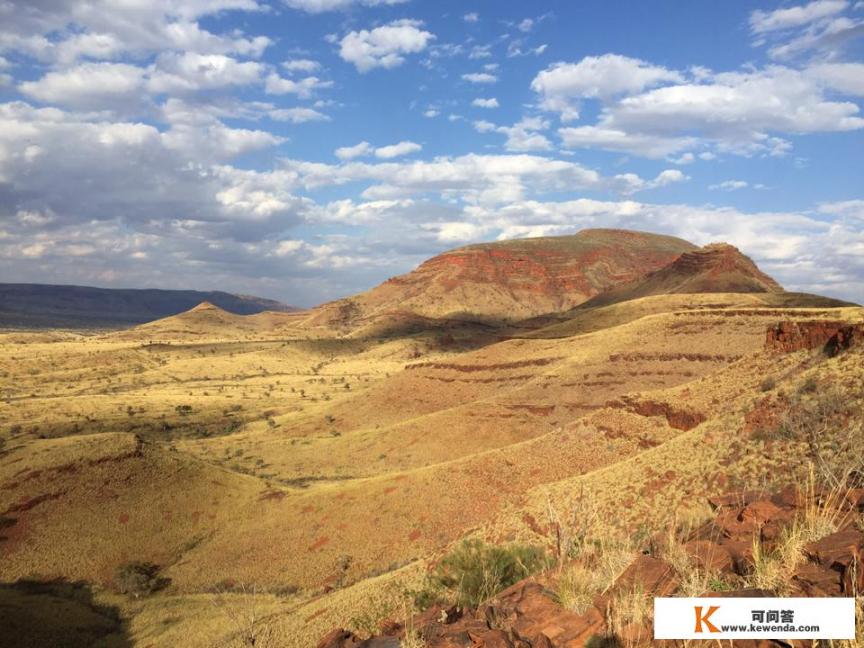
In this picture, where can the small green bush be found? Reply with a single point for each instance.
(475, 571)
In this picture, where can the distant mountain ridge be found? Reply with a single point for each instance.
(61, 306)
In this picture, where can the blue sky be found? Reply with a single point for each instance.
(309, 149)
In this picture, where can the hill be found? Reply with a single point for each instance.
(715, 268)
(49, 306)
(507, 281)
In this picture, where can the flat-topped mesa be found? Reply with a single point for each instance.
(516, 279)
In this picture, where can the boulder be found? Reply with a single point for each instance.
(710, 556)
(814, 580)
(339, 638)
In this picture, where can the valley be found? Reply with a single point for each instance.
(307, 468)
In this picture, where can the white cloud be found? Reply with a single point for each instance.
(815, 27)
(630, 183)
(562, 85)
(612, 139)
(301, 65)
(304, 88)
(351, 152)
(472, 17)
(765, 21)
(188, 72)
(474, 178)
(492, 102)
(319, 6)
(365, 149)
(89, 86)
(524, 135)
(431, 112)
(297, 115)
(397, 150)
(847, 208)
(687, 158)
(847, 78)
(384, 46)
(480, 52)
(480, 77)
(742, 113)
(65, 31)
(730, 185)
(526, 25)
(739, 103)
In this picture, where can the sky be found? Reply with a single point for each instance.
(306, 150)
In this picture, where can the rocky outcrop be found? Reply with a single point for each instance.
(832, 336)
(528, 614)
(511, 280)
(715, 268)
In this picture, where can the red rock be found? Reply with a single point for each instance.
(733, 527)
(855, 498)
(841, 549)
(742, 555)
(734, 499)
(813, 580)
(710, 556)
(833, 336)
(339, 638)
(760, 512)
(789, 497)
(652, 576)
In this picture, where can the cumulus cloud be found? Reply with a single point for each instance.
(319, 6)
(351, 152)
(847, 78)
(524, 135)
(304, 88)
(492, 102)
(385, 46)
(365, 149)
(397, 150)
(102, 29)
(176, 73)
(730, 185)
(480, 77)
(472, 17)
(297, 115)
(562, 85)
(89, 86)
(301, 65)
(744, 113)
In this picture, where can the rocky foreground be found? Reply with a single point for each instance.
(748, 532)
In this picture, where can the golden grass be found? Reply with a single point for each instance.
(279, 499)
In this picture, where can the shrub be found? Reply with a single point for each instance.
(768, 384)
(139, 579)
(808, 386)
(576, 588)
(475, 571)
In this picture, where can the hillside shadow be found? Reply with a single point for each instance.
(60, 614)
